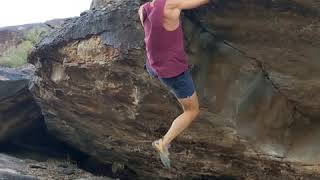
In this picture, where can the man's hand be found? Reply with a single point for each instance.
(185, 4)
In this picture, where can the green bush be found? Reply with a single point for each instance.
(34, 35)
(17, 56)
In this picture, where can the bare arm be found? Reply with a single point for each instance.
(140, 11)
(186, 4)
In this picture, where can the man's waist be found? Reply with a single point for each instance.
(170, 69)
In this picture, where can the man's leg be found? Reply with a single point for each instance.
(190, 112)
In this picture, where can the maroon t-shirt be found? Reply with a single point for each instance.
(165, 49)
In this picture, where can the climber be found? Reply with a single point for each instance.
(167, 61)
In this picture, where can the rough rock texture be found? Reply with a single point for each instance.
(119, 105)
(16, 168)
(95, 95)
(262, 71)
(10, 168)
(18, 111)
(100, 3)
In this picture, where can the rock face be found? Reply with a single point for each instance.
(16, 168)
(100, 3)
(11, 168)
(118, 113)
(18, 111)
(263, 71)
(96, 96)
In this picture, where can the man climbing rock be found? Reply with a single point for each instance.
(167, 61)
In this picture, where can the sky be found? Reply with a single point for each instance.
(18, 12)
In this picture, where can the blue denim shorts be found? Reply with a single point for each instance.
(181, 86)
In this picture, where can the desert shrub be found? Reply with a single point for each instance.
(17, 56)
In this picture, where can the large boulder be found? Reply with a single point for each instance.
(19, 113)
(94, 93)
(96, 96)
(262, 71)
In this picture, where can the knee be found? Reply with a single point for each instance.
(194, 112)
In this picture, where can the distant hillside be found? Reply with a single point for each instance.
(16, 41)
